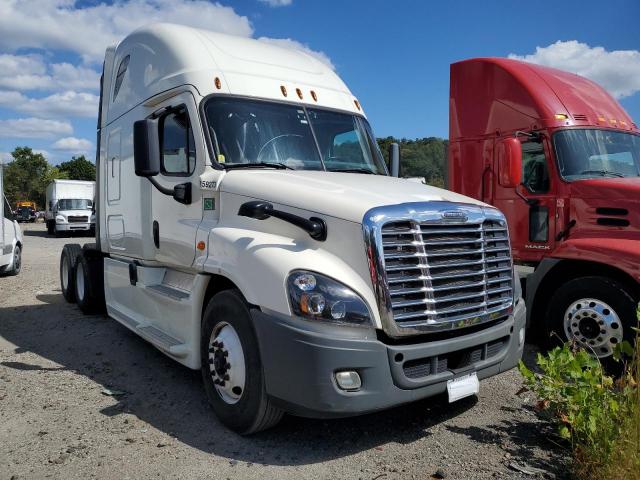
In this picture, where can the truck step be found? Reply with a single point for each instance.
(163, 340)
(168, 291)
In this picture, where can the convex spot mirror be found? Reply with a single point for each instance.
(146, 147)
(509, 153)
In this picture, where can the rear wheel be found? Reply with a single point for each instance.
(68, 259)
(597, 313)
(89, 284)
(231, 366)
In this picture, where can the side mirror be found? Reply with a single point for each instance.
(509, 154)
(394, 159)
(146, 147)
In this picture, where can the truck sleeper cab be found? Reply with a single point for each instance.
(561, 158)
(247, 227)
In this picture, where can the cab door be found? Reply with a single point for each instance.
(174, 225)
(530, 207)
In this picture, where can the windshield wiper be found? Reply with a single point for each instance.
(277, 166)
(603, 173)
(352, 170)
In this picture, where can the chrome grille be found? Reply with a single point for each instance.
(437, 274)
(77, 219)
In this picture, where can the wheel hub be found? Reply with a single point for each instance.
(593, 324)
(226, 363)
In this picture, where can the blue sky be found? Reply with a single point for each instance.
(394, 56)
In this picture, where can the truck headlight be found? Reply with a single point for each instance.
(60, 219)
(317, 297)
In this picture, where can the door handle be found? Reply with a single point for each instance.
(156, 234)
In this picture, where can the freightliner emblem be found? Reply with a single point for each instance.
(454, 215)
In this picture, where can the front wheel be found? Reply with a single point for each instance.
(17, 261)
(231, 366)
(597, 313)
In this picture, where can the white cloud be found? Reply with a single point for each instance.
(5, 157)
(31, 72)
(618, 71)
(73, 145)
(277, 3)
(57, 25)
(295, 45)
(34, 128)
(65, 104)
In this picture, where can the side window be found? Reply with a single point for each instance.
(7, 210)
(122, 69)
(535, 172)
(178, 149)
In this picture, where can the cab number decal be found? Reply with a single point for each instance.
(208, 185)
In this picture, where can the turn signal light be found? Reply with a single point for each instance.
(201, 245)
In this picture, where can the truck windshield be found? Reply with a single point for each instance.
(589, 153)
(74, 204)
(250, 132)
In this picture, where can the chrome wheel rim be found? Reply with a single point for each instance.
(80, 282)
(65, 272)
(226, 363)
(594, 325)
(17, 259)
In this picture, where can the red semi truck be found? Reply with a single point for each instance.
(561, 159)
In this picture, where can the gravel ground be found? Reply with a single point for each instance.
(56, 422)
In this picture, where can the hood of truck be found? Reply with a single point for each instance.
(608, 188)
(342, 195)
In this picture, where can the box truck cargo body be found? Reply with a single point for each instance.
(10, 236)
(247, 226)
(561, 158)
(70, 206)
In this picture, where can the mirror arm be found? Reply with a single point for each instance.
(315, 227)
(532, 202)
(181, 193)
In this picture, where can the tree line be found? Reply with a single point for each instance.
(26, 177)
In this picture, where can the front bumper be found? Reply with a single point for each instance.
(72, 227)
(300, 359)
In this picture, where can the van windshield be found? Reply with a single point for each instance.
(590, 153)
(252, 132)
(74, 204)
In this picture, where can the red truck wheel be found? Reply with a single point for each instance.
(595, 312)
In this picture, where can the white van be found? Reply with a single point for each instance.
(70, 206)
(247, 226)
(10, 237)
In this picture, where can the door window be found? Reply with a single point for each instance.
(178, 146)
(7, 210)
(535, 173)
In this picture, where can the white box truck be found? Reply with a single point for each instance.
(69, 206)
(10, 236)
(247, 226)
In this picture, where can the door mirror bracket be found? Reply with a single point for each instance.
(532, 202)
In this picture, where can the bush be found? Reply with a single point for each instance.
(598, 415)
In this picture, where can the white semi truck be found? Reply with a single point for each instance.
(69, 206)
(247, 226)
(10, 236)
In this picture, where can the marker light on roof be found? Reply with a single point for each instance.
(561, 116)
(218, 83)
(283, 89)
(601, 119)
(357, 104)
(314, 96)
(299, 92)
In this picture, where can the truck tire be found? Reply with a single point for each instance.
(17, 262)
(595, 312)
(68, 259)
(89, 283)
(231, 366)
